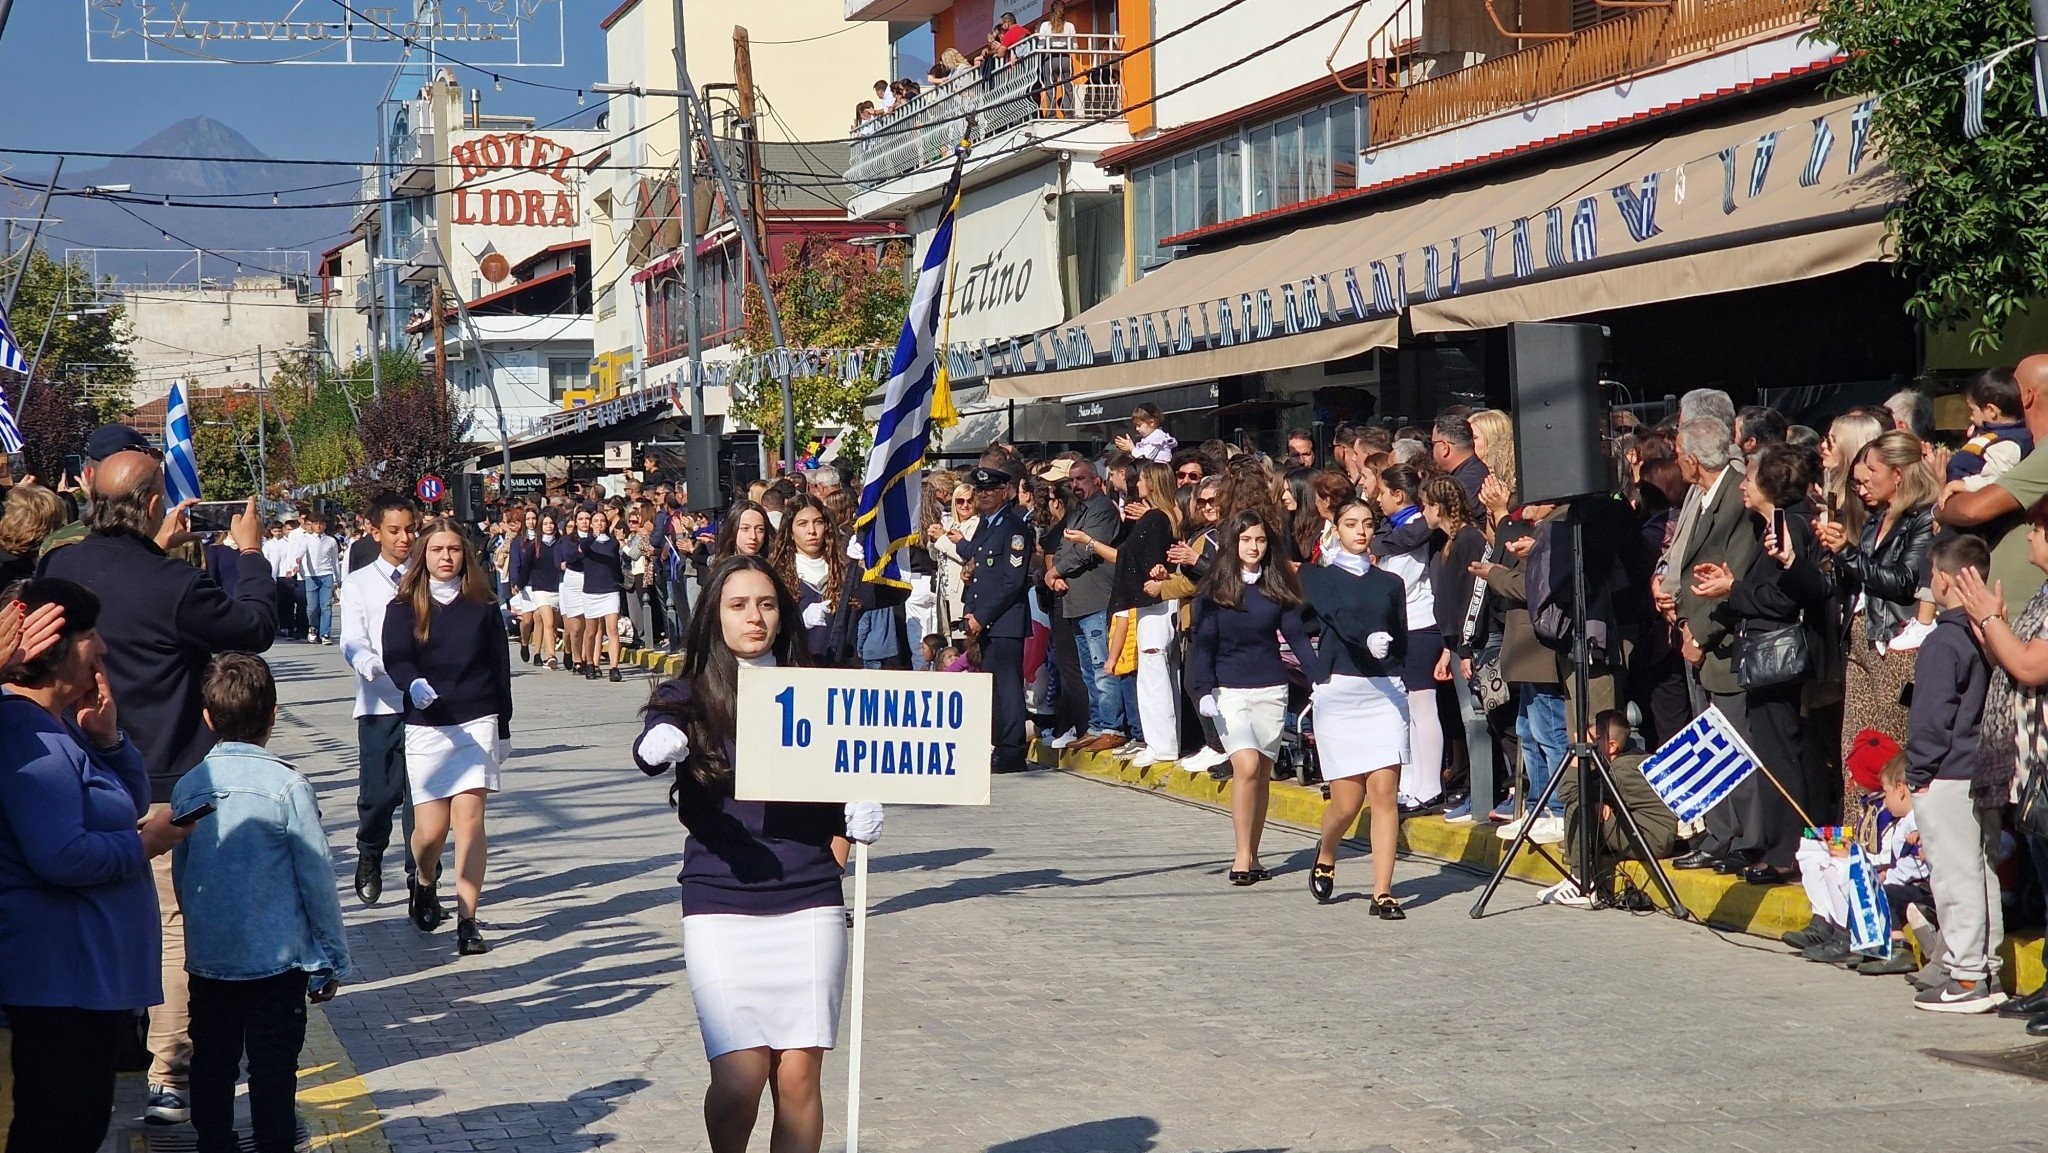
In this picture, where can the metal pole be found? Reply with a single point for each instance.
(380, 255)
(686, 181)
(2040, 10)
(5, 5)
(28, 254)
(463, 316)
(262, 445)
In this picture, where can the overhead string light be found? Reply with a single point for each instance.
(497, 85)
(579, 98)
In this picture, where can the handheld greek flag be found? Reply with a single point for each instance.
(10, 432)
(913, 399)
(1699, 766)
(181, 463)
(1870, 915)
(11, 357)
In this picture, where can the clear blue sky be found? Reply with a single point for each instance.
(53, 98)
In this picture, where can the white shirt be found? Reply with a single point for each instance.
(365, 594)
(1060, 39)
(277, 550)
(317, 555)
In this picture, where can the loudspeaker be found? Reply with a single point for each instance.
(1554, 391)
(700, 471)
(468, 496)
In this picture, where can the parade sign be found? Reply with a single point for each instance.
(863, 735)
(525, 34)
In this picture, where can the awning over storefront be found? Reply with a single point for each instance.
(1767, 197)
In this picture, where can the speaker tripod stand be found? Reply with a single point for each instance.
(1595, 774)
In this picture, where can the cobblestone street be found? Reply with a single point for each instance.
(1066, 970)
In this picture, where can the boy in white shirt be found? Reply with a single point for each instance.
(380, 707)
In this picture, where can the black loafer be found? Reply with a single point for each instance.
(1322, 883)
(468, 941)
(525, 653)
(424, 907)
(1766, 875)
(1386, 908)
(1732, 866)
(2026, 1008)
(369, 875)
(2038, 1027)
(1697, 859)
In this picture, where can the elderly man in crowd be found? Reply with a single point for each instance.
(163, 620)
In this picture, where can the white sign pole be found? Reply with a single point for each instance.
(859, 984)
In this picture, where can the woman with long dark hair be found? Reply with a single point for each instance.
(1401, 546)
(443, 641)
(603, 577)
(576, 624)
(1361, 707)
(1246, 604)
(538, 574)
(809, 564)
(746, 531)
(1144, 549)
(1457, 541)
(763, 916)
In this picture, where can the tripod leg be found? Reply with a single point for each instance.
(1521, 841)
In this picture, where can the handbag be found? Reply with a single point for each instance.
(1773, 656)
(2031, 819)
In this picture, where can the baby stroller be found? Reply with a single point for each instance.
(1297, 760)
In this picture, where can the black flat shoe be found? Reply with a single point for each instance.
(469, 942)
(424, 905)
(2038, 1027)
(1898, 964)
(615, 677)
(1697, 859)
(525, 653)
(369, 875)
(2026, 1008)
(1241, 877)
(1732, 866)
(1766, 875)
(1814, 933)
(1322, 883)
(1386, 908)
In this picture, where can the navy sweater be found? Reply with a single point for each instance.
(1950, 680)
(1352, 608)
(601, 570)
(1240, 649)
(755, 858)
(465, 661)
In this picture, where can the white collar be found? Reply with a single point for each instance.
(444, 591)
(1251, 576)
(765, 661)
(1355, 563)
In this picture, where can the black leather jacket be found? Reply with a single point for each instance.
(1889, 575)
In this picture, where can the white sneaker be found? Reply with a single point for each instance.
(1203, 759)
(1144, 758)
(1127, 749)
(1547, 830)
(1064, 739)
(1566, 893)
(1512, 829)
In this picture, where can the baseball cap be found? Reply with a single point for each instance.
(108, 439)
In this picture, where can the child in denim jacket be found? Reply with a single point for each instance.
(263, 932)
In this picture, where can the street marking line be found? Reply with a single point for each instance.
(334, 1100)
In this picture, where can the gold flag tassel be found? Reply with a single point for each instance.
(945, 414)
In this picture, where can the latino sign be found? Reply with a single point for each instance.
(518, 33)
(863, 735)
(495, 157)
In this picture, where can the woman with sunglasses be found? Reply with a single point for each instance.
(954, 530)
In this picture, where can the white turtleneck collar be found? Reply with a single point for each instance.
(1251, 575)
(547, 539)
(813, 571)
(444, 591)
(1354, 563)
(765, 661)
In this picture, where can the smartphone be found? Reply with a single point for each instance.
(190, 817)
(1778, 530)
(1834, 506)
(74, 465)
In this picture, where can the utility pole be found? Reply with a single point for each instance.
(262, 449)
(2040, 12)
(686, 182)
(757, 194)
(28, 254)
(440, 348)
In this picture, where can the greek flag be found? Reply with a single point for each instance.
(1823, 143)
(1766, 147)
(1553, 236)
(1489, 234)
(1431, 271)
(1524, 262)
(1727, 181)
(11, 357)
(1638, 207)
(1585, 231)
(1870, 915)
(181, 464)
(1859, 133)
(1695, 769)
(1382, 288)
(1977, 78)
(889, 492)
(1457, 258)
(10, 432)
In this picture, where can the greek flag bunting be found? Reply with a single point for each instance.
(889, 491)
(1382, 288)
(1524, 262)
(1816, 160)
(1431, 270)
(1699, 766)
(1457, 258)
(1638, 207)
(1727, 181)
(1859, 133)
(1586, 230)
(1490, 234)
(181, 463)
(1766, 147)
(1553, 236)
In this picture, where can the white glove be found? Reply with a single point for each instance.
(422, 693)
(1207, 705)
(662, 744)
(1379, 645)
(854, 551)
(815, 615)
(369, 668)
(863, 822)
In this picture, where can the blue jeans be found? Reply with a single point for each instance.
(1105, 696)
(319, 606)
(1540, 725)
(678, 611)
(1127, 700)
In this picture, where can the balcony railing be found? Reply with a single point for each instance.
(1061, 78)
(366, 293)
(1633, 42)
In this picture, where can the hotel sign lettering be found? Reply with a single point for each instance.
(485, 161)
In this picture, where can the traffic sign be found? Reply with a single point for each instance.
(430, 489)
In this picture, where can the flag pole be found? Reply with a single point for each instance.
(944, 414)
(858, 979)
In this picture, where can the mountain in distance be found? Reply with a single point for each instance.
(215, 163)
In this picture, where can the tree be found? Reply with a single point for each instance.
(1972, 229)
(830, 296)
(59, 411)
(413, 427)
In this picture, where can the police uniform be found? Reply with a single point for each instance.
(995, 597)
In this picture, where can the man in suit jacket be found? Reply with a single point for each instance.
(1723, 533)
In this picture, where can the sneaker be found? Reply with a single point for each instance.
(1127, 749)
(1512, 829)
(1462, 815)
(166, 1106)
(1566, 893)
(1063, 740)
(1504, 813)
(1547, 830)
(1203, 759)
(1145, 758)
(1953, 996)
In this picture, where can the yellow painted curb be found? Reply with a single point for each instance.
(1723, 902)
(334, 1100)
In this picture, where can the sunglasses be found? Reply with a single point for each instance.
(963, 500)
(1191, 474)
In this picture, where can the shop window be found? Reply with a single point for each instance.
(1184, 195)
(565, 374)
(1206, 210)
(1263, 184)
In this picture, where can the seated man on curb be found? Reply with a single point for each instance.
(1610, 730)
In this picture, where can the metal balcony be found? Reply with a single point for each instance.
(417, 250)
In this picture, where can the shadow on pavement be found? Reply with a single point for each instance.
(555, 1125)
(1023, 881)
(928, 860)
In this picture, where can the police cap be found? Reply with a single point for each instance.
(985, 478)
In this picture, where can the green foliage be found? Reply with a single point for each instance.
(1972, 230)
(58, 412)
(830, 296)
(412, 427)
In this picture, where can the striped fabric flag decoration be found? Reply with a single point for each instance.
(1586, 230)
(1817, 159)
(1382, 288)
(1525, 263)
(1766, 147)
(1553, 236)
(1699, 766)
(1431, 272)
(1859, 133)
(889, 491)
(1401, 280)
(1457, 259)
(1977, 78)
(1870, 914)
(181, 463)
(10, 432)
(1638, 207)
(1727, 181)
(1490, 234)
(11, 357)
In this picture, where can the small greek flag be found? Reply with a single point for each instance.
(1553, 236)
(1638, 207)
(1977, 78)
(1401, 279)
(1699, 766)
(1586, 230)
(1816, 160)
(1870, 915)
(1859, 133)
(1457, 259)
(10, 432)
(181, 463)
(1727, 181)
(1382, 288)
(1490, 234)
(1525, 263)
(1431, 271)
(1766, 147)
(11, 357)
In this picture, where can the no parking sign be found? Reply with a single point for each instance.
(430, 489)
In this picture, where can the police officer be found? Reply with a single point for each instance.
(997, 616)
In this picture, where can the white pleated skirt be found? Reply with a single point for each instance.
(1361, 724)
(1251, 719)
(773, 982)
(443, 760)
(572, 593)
